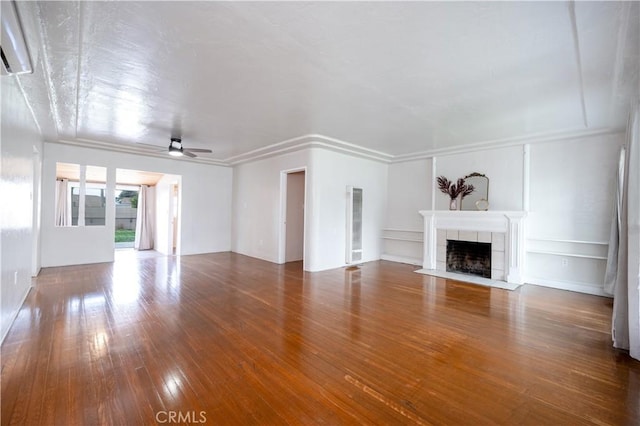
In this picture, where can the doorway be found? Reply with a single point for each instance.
(126, 202)
(175, 220)
(168, 214)
(293, 196)
(132, 205)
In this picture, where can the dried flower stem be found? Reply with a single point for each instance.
(454, 189)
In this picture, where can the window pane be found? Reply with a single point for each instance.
(95, 201)
(357, 220)
(75, 204)
(94, 205)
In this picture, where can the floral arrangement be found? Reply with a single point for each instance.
(454, 190)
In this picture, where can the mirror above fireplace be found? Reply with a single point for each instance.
(479, 198)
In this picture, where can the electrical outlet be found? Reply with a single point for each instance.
(565, 263)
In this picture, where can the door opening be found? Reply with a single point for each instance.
(175, 211)
(168, 202)
(135, 226)
(293, 183)
(126, 202)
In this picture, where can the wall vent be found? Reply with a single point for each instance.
(354, 225)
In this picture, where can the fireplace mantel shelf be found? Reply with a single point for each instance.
(511, 223)
(491, 220)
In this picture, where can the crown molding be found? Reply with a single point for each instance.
(143, 150)
(306, 142)
(504, 143)
(340, 146)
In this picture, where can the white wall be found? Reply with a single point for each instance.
(19, 137)
(411, 189)
(36, 213)
(331, 173)
(206, 205)
(570, 194)
(408, 192)
(257, 205)
(503, 166)
(571, 200)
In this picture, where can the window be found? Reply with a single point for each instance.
(95, 200)
(80, 195)
(67, 175)
(75, 202)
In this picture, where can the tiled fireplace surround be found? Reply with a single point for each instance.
(503, 229)
(497, 248)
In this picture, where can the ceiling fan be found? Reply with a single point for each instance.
(177, 150)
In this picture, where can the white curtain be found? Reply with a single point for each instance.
(63, 203)
(622, 277)
(611, 273)
(145, 221)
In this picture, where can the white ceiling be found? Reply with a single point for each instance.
(396, 77)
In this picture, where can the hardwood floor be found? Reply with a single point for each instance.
(227, 339)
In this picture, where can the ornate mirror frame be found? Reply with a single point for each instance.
(479, 198)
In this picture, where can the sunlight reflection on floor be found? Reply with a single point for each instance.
(129, 254)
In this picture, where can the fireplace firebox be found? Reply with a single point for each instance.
(469, 257)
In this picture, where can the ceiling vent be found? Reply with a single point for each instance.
(15, 55)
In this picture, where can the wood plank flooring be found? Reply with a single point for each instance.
(227, 339)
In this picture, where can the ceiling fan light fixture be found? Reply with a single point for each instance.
(177, 150)
(175, 147)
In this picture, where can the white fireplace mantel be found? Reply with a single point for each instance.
(511, 223)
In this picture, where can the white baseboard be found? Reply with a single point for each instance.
(15, 314)
(402, 259)
(568, 285)
(34, 274)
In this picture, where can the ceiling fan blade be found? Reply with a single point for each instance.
(188, 154)
(197, 150)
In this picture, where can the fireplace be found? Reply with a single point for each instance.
(502, 230)
(469, 257)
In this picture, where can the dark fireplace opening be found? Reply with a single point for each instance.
(468, 257)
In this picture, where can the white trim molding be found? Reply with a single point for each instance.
(506, 142)
(402, 259)
(309, 141)
(407, 235)
(337, 145)
(572, 248)
(569, 286)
